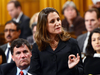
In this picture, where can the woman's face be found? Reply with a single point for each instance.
(98, 4)
(70, 13)
(95, 40)
(0, 59)
(54, 23)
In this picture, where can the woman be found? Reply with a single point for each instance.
(53, 47)
(34, 19)
(33, 23)
(92, 61)
(31, 39)
(73, 23)
(2, 57)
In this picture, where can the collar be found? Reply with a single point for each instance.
(25, 70)
(8, 46)
(61, 45)
(96, 55)
(17, 20)
(88, 33)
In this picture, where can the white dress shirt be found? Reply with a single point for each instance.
(24, 71)
(86, 42)
(18, 19)
(9, 56)
(96, 55)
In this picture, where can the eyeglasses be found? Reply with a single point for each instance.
(10, 30)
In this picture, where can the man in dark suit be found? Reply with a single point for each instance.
(21, 54)
(92, 21)
(14, 9)
(11, 32)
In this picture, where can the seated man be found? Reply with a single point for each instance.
(92, 21)
(21, 54)
(11, 32)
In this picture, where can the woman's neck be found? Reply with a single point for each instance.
(54, 42)
(54, 37)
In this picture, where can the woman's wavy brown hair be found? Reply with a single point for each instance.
(41, 36)
(89, 49)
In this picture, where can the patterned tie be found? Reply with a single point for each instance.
(8, 53)
(21, 73)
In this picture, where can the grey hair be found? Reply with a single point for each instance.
(67, 4)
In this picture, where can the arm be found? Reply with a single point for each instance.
(35, 63)
(73, 60)
(76, 62)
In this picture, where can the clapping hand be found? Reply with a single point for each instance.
(73, 60)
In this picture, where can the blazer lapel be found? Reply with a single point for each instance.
(4, 47)
(13, 72)
(21, 19)
(82, 41)
(61, 45)
(12, 69)
(49, 49)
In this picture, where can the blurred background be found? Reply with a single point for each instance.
(30, 7)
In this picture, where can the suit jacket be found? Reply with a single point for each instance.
(78, 24)
(4, 47)
(8, 69)
(92, 66)
(24, 25)
(30, 40)
(49, 62)
(81, 40)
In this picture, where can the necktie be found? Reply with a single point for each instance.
(8, 54)
(21, 73)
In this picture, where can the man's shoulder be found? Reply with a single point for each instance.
(30, 37)
(72, 41)
(81, 36)
(8, 69)
(7, 66)
(25, 17)
(3, 46)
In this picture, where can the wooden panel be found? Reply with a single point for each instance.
(86, 4)
(1, 28)
(43, 4)
(3, 12)
(2, 39)
(29, 7)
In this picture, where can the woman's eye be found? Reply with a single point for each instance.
(52, 21)
(93, 40)
(99, 38)
(58, 19)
